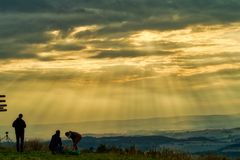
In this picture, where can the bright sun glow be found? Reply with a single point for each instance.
(145, 37)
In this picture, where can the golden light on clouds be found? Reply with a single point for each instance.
(80, 29)
(195, 40)
(145, 37)
(54, 33)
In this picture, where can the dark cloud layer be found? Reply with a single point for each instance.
(25, 22)
(130, 53)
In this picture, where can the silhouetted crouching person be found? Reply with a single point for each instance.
(76, 137)
(55, 145)
(19, 125)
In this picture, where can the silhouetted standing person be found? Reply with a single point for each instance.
(19, 125)
(56, 143)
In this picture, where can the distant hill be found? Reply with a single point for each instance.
(150, 126)
(141, 142)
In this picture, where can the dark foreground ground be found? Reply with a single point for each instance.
(6, 154)
(48, 156)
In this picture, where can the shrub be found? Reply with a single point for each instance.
(35, 145)
(109, 149)
(89, 150)
(132, 150)
(102, 148)
(212, 157)
(168, 154)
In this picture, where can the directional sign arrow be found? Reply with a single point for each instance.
(3, 110)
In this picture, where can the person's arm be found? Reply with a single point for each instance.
(24, 124)
(50, 146)
(14, 124)
(60, 141)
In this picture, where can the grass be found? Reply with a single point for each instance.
(43, 155)
(35, 150)
(10, 155)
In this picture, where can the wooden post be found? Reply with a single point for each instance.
(2, 106)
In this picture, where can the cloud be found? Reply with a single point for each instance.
(26, 6)
(130, 53)
(65, 47)
(25, 23)
(186, 38)
(9, 51)
(106, 74)
(11, 55)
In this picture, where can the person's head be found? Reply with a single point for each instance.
(58, 132)
(20, 115)
(67, 134)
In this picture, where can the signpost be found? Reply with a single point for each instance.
(2, 103)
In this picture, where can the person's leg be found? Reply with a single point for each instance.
(17, 142)
(53, 151)
(22, 142)
(75, 142)
(59, 149)
(74, 146)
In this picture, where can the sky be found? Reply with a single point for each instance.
(88, 60)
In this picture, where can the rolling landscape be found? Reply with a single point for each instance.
(149, 126)
(193, 138)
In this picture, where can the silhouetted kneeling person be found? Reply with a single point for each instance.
(55, 145)
(19, 125)
(76, 137)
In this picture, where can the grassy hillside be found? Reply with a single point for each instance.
(37, 150)
(48, 156)
(43, 155)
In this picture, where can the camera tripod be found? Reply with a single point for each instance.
(6, 138)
